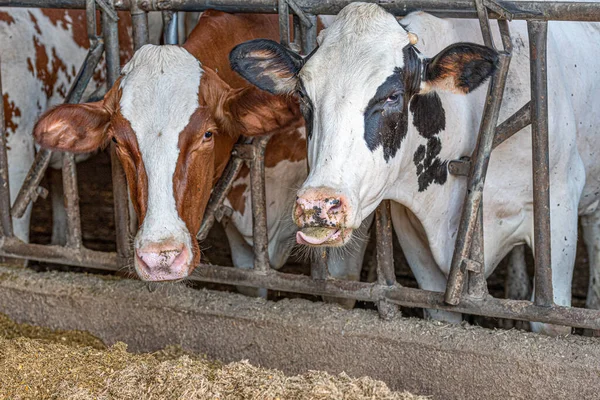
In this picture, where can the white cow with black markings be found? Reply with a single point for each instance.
(386, 118)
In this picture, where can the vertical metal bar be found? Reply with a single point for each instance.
(538, 32)
(259, 205)
(170, 35)
(69, 174)
(139, 22)
(284, 23)
(386, 275)
(111, 40)
(308, 35)
(484, 23)
(5, 217)
(476, 180)
(477, 282)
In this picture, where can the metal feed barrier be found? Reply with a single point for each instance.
(466, 290)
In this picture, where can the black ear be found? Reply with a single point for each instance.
(460, 68)
(267, 65)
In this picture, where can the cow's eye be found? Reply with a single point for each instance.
(208, 134)
(114, 139)
(393, 98)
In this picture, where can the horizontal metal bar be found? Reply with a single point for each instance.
(82, 257)
(518, 10)
(409, 297)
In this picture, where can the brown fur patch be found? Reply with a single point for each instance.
(10, 112)
(289, 146)
(6, 17)
(237, 199)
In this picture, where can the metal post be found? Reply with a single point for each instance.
(139, 22)
(284, 23)
(259, 205)
(477, 283)
(386, 275)
(476, 180)
(5, 217)
(69, 175)
(170, 35)
(111, 40)
(538, 32)
(309, 35)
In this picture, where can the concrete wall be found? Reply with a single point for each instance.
(447, 362)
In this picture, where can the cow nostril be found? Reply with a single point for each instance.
(335, 205)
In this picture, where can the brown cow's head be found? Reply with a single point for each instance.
(174, 124)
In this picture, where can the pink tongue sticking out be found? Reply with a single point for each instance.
(314, 236)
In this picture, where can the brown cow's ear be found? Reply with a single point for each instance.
(460, 68)
(253, 112)
(77, 128)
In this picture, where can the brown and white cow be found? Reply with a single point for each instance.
(175, 114)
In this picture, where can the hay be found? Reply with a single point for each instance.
(46, 368)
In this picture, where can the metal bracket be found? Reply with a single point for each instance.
(499, 9)
(460, 167)
(471, 265)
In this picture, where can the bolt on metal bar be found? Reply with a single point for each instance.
(5, 215)
(260, 241)
(386, 275)
(476, 180)
(120, 194)
(409, 297)
(538, 32)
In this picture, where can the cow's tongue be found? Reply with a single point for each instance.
(314, 236)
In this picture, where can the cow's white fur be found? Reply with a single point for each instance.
(427, 222)
(159, 95)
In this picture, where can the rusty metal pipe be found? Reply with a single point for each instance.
(71, 199)
(538, 32)
(386, 274)
(475, 183)
(5, 215)
(513, 124)
(260, 236)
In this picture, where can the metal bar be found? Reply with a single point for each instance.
(513, 124)
(476, 180)
(82, 257)
(386, 274)
(86, 72)
(170, 35)
(284, 22)
(120, 195)
(308, 35)
(477, 283)
(260, 235)
(90, 20)
(139, 22)
(484, 23)
(218, 195)
(517, 10)
(28, 191)
(5, 215)
(409, 297)
(69, 175)
(538, 32)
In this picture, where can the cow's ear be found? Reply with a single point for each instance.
(267, 65)
(459, 68)
(253, 112)
(77, 128)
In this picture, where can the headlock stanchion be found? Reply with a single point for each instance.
(467, 263)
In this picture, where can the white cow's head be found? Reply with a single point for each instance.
(356, 92)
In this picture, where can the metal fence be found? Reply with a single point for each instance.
(466, 290)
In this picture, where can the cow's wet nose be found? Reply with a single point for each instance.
(320, 208)
(163, 261)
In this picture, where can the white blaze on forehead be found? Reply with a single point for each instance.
(159, 95)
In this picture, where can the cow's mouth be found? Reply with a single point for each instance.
(330, 237)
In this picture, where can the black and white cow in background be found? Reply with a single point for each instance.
(385, 119)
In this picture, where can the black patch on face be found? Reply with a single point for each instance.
(386, 115)
(430, 168)
(306, 108)
(428, 112)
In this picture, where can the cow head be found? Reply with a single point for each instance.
(357, 92)
(174, 124)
